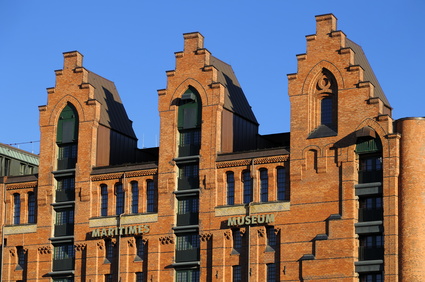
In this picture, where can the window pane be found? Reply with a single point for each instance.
(150, 197)
(326, 111)
(247, 187)
(264, 183)
(31, 208)
(104, 200)
(230, 188)
(134, 197)
(120, 199)
(16, 209)
(281, 184)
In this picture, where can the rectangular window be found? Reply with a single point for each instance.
(109, 250)
(140, 277)
(63, 257)
(271, 272)
(230, 188)
(22, 169)
(237, 273)
(140, 249)
(281, 184)
(134, 197)
(237, 241)
(188, 177)
(247, 187)
(371, 277)
(187, 247)
(150, 197)
(370, 209)
(189, 142)
(264, 184)
(31, 207)
(187, 275)
(271, 238)
(187, 211)
(64, 222)
(16, 208)
(371, 247)
(103, 200)
(67, 156)
(21, 257)
(65, 190)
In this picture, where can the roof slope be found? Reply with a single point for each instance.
(235, 100)
(361, 60)
(19, 154)
(113, 114)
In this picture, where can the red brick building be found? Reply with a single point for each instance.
(338, 198)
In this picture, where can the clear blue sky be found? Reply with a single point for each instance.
(133, 42)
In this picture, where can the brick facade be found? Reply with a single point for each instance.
(339, 198)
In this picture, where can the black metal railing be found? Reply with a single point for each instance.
(188, 183)
(187, 219)
(189, 150)
(65, 195)
(187, 255)
(370, 214)
(64, 229)
(63, 264)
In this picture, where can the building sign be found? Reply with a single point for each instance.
(250, 219)
(123, 230)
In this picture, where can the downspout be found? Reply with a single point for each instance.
(252, 172)
(119, 232)
(2, 228)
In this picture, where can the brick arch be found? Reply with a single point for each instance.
(314, 72)
(380, 131)
(184, 85)
(57, 109)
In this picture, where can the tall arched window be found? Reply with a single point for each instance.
(134, 197)
(119, 198)
(189, 123)
(282, 193)
(247, 187)
(66, 137)
(103, 200)
(264, 185)
(150, 196)
(31, 207)
(324, 112)
(230, 182)
(16, 208)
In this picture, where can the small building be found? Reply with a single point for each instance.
(338, 198)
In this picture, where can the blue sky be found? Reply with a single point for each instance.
(133, 42)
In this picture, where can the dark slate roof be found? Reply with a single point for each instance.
(252, 154)
(112, 114)
(124, 168)
(361, 60)
(235, 100)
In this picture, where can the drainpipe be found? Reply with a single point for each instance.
(253, 174)
(2, 229)
(119, 232)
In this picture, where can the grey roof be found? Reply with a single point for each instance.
(18, 154)
(252, 154)
(113, 114)
(361, 60)
(234, 100)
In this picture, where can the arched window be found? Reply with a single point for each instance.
(189, 123)
(134, 197)
(264, 185)
(281, 184)
(66, 137)
(324, 111)
(31, 207)
(119, 205)
(230, 183)
(103, 200)
(247, 187)
(150, 196)
(16, 208)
